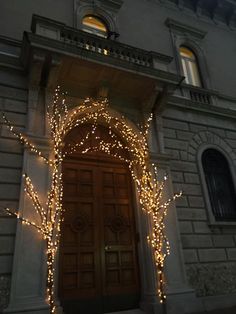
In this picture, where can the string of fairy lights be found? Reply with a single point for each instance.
(134, 151)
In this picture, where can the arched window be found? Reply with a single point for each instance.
(94, 25)
(190, 66)
(219, 184)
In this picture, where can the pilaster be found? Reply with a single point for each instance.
(28, 286)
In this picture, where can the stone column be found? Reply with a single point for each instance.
(149, 302)
(28, 286)
(29, 272)
(181, 297)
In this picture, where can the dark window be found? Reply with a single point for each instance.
(220, 185)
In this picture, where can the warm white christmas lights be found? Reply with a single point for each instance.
(135, 147)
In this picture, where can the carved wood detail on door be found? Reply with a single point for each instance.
(98, 269)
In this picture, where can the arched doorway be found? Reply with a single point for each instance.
(98, 270)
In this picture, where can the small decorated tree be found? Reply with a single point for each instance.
(150, 191)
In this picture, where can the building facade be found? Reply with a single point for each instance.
(172, 58)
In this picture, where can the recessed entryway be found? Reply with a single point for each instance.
(98, 270)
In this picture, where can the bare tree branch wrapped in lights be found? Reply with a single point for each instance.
(150, 191)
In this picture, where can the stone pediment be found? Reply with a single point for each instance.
(184, 28)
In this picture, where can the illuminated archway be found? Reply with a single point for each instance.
(149, 189)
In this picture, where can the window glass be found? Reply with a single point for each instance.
(94, 25)
(219, 184)
(190, 67)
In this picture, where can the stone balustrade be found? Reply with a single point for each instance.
(197, 94)
(106, 47)
(102, 46)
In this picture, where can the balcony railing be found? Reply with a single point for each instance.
(201, 97)
(106, 47)
(197, 94)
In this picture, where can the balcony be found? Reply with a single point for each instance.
(87, 60)
(84, 42)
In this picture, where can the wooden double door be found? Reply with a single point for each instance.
(98, 271)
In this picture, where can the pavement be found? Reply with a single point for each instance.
(231, 310)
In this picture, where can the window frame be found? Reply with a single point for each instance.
(211, 217)
(104, 14)
(187, 65)
(93, 31)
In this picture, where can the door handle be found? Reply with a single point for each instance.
(107, 247)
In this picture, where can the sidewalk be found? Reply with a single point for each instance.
(231, 310)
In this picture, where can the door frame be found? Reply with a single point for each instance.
(143, 225)
(104, 161)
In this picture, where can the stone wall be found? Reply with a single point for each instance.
(146, 29)
(4, 290)
(13, 101)
(209, 250)
(212, 278)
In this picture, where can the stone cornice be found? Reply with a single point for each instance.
(219, 11)
(10, 62)
(10, 41)
(184, 28)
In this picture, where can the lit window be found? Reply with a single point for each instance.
(219, 184)
(190, 66)
(94, 25)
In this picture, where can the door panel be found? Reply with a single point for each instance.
(98, 260)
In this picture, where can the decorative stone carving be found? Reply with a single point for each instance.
(212, 279)
(106, 9)
(208, 138)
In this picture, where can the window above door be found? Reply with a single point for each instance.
(94, 25)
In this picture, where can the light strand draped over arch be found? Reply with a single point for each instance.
(150, 190)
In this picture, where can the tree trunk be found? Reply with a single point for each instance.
(50, 276)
